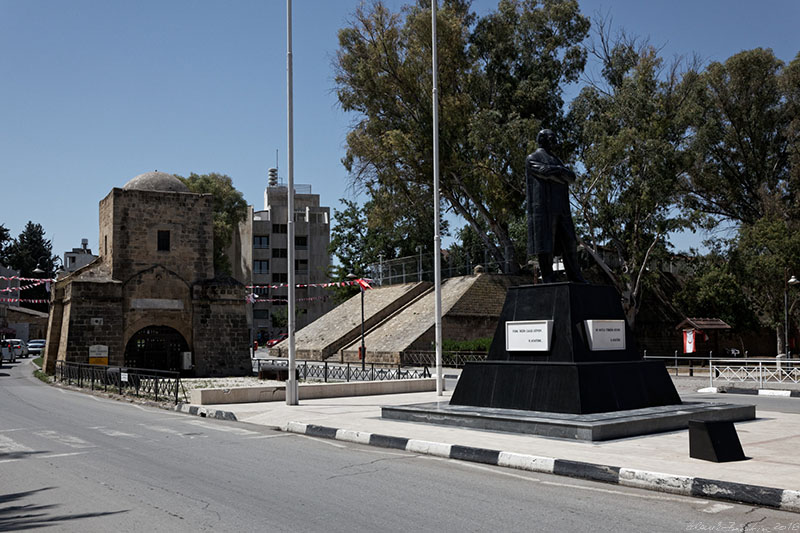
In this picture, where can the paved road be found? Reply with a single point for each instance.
(75, 462)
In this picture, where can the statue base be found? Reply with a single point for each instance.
(564, 348)
(576, 388)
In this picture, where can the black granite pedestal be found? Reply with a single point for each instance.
(569, 371)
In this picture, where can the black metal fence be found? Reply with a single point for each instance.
(159, 385)
(322, 370)
(449, 359)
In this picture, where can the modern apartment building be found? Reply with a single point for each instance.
(270, 269)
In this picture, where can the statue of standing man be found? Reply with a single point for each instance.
(550, 228)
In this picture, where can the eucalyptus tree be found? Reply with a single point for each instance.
(501, 77)
(632, 129)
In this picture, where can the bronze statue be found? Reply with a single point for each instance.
(550, 227)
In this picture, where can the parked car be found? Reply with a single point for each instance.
(20, 347)
(7, 352)
(36, 347)
(279, 338)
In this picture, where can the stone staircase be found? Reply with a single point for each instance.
(327, 335)
(398, 318)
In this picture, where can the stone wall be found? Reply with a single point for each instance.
(136, 218)
(157, 297)
(221, 333)
(92, 315)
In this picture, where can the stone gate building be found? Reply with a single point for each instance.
(150, 300)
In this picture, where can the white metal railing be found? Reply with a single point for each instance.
(754, 370)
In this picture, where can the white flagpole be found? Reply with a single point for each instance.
(291, 382)
(437, 245)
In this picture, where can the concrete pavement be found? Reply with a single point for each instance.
(770, 477)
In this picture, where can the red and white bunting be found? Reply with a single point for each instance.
(17, 278)
(362, 282)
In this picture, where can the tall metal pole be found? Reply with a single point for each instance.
(437, 245)
(363, 348)
(786, 311)
(291, 382)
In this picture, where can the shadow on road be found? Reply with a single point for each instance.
(16, 515)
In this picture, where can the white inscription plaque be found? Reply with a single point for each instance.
(98, 350)
(529, 335)
(605, 335)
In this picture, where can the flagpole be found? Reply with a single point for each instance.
(437, 245)
(291, 381)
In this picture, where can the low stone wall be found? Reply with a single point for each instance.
(310, 391)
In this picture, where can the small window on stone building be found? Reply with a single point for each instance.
(261, 241)
(105, 244)
(163, 241)
(279, 252)
(260, 267)
(279, 228)
(280, 277)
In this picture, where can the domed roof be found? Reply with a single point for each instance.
(156, 181)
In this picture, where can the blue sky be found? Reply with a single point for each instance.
(93, 93)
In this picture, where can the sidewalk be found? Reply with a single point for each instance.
(657, 462)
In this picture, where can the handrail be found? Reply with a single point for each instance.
(124, 380)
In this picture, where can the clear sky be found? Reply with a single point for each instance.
(95, 92)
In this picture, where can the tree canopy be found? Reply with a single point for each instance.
(27, 252)
(501, 78)
(230, 208)
(630, 129)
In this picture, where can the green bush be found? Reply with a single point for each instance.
(473, 345)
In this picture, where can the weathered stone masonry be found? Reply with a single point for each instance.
(155, 270)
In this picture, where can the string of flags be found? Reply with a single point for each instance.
(17, 278)
(26, 287)
(362, 282)
(24, 300)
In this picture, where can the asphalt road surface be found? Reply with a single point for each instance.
(70, 461)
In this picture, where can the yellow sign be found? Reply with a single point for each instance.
(98, 361)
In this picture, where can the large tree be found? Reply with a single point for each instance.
(229, 209)
(631, 128)
(764, 255)
(31, 250)
(500, 80)
(746, 130)
(5, 240)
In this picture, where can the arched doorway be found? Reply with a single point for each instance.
(156, 347)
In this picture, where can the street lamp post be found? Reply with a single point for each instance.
(419, 263)
(786, 282)
(353, 277)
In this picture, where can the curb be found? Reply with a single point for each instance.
(205, 412)
(758, 392)
(784, 500)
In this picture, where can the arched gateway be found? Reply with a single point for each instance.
(156, 347)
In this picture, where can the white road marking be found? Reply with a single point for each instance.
(69, 440)
(163, 429)
(270, 436)
(717, 508)
(225, 429)
(54, 455)
(7, 445)
(324, 441)
(114, 432)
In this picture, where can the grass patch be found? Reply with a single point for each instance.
(42, 376)
(38, 361)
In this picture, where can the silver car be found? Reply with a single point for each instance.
(20, 347)
(36, 347)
